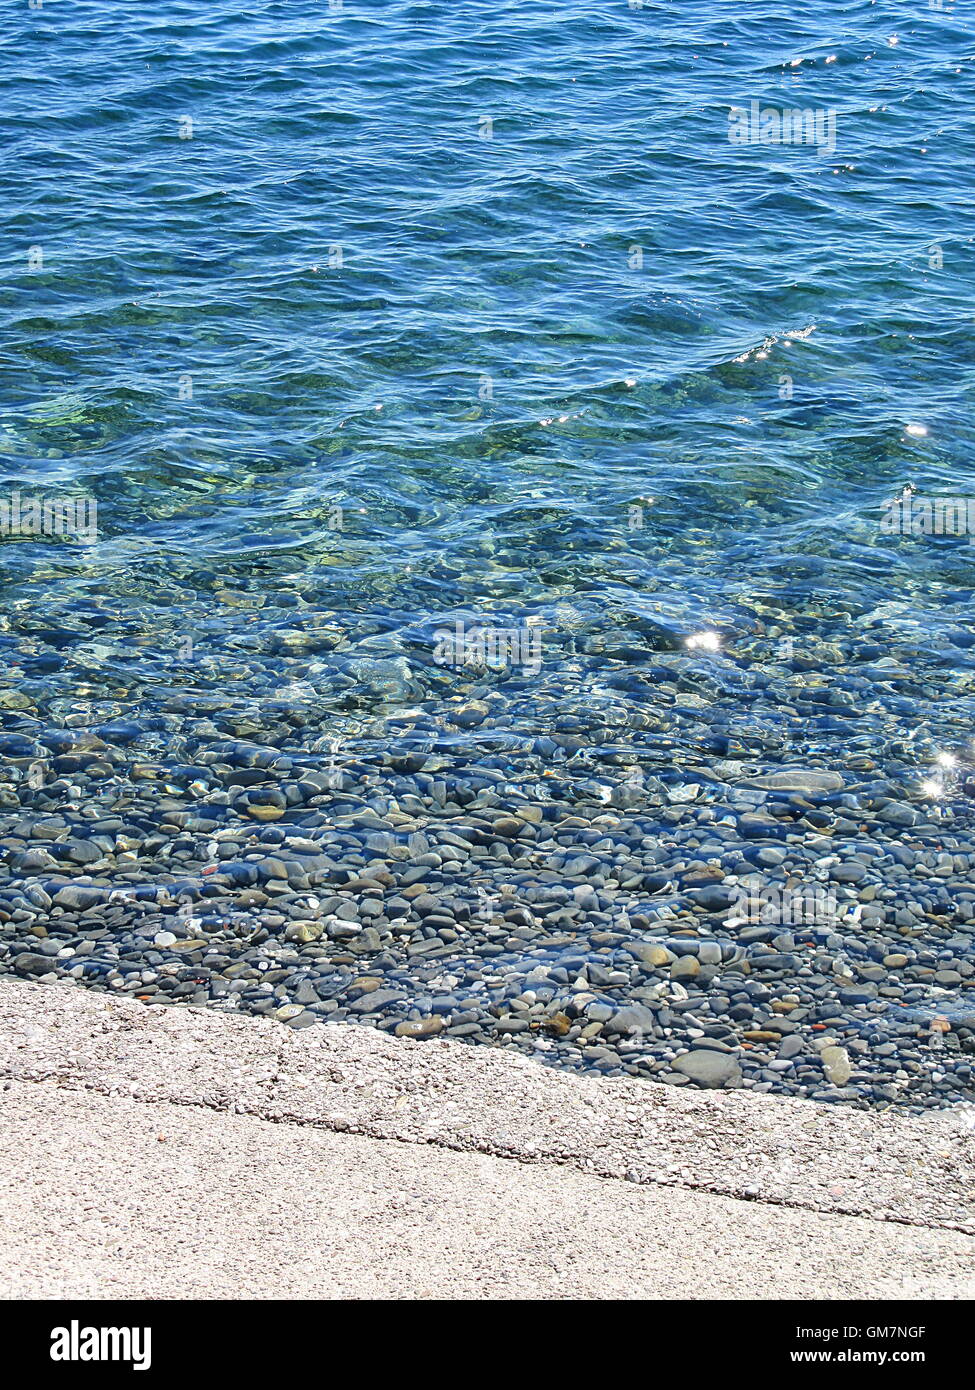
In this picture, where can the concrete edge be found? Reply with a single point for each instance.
(914, 1169)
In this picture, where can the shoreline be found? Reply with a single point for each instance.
(916, 1169)
(196, 1155)
(571, 934)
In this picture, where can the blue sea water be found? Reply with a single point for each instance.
(358, 319)
(527, 333)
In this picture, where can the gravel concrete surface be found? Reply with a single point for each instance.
(619, 1189)
(122, 1199)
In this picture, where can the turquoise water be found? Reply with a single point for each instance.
(486, 384)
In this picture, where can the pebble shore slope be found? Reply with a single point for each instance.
(617, 922)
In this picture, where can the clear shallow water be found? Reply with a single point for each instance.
(487, 353)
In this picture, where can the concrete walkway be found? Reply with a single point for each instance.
(181, 1153)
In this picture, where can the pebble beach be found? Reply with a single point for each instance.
(363, 1165)
(468, 561)
(539, 898)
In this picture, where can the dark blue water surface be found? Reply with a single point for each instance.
(465, 258)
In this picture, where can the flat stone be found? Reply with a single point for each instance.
(769, 857)
(709, 1069)
(807, 782)
(30, 963)
(77, 897)
(305, 932)
(634, 1018)
(304, 1019)
(288, 1011)
(375, 1001)
(755, 826)
(468, 716)
(685, 968)
(851, 872)
(649, 954)
(508, 826)
(419, 1028)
